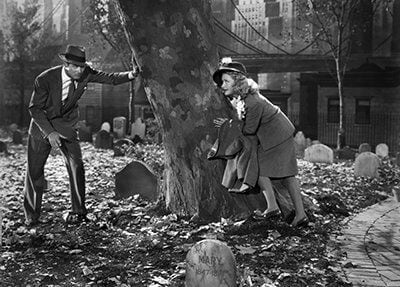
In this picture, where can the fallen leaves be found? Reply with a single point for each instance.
(128, 243)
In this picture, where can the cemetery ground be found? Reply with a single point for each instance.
(131, 242)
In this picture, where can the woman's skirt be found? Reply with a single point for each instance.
(279, 161)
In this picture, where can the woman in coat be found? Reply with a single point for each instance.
(275, 151)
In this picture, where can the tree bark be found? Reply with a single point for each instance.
(175, 43)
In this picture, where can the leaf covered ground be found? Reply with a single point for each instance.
(131, 242)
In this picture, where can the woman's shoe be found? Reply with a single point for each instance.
(301, 223)
(267, 215)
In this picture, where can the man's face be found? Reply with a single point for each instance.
(227, 85)
(73, 71)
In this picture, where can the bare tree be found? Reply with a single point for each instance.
(337, 26)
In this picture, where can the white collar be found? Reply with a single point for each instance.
(64, 76)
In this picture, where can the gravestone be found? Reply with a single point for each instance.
(136, 178)
(103, 140)
(308, 142)
(382, 150)
(3, 147)
(138, 128)
(300, 143)
(367, 164)
(85, 132)
(119, 127)
(398, 158)
(123, 147)
(210, 263)
(319, 153)
(106, 127)
(364, 147)
(17, 137)
(347, 153)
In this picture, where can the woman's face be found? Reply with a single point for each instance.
(227, 85)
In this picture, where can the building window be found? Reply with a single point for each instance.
(363, 109)
(333, 111)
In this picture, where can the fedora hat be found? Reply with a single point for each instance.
(74, 55)
(228, 67)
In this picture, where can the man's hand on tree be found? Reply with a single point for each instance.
(55, 139)
(134, 73)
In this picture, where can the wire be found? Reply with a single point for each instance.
(226, 48)
(255, 30)
(52, 13)
(237, 38)
(383, 42)
(72, 24)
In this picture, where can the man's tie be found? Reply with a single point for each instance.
(71, 90)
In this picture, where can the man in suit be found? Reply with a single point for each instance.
(54, 111)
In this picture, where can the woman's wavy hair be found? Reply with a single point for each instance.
(242, 85)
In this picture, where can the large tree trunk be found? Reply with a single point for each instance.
(176, 48)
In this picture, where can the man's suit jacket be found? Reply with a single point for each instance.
(46, 108)
(267, 121)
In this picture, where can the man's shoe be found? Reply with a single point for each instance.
(73, 218)
(32, 222)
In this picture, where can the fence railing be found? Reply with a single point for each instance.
(382, 128)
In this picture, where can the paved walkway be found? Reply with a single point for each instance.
(372, 243)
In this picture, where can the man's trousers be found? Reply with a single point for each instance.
(38, 152)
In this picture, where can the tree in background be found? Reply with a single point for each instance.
(21, 42)
(24, 42)
(341, 28)
(101, 18)
(176, 48)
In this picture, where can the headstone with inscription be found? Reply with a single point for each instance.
(382, 150)
(319, 153)
(119, 127)
(367, 164)
(209, 263)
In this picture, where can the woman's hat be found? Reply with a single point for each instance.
(228, 67)
(74, 55)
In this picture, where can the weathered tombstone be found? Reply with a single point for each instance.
(382, 150)
(138, 128)
(309, 142)
(136, 178)
(17, 137)
(103, 140)
(396, 193)
(209, 263)
(319, 153)
(347, 153)
(119, 127)
(300, 143)
(106, 127)
(85, 132)
(398, 158)
(367, 164)
(364, 147)
(3, 147)
(123, 147)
